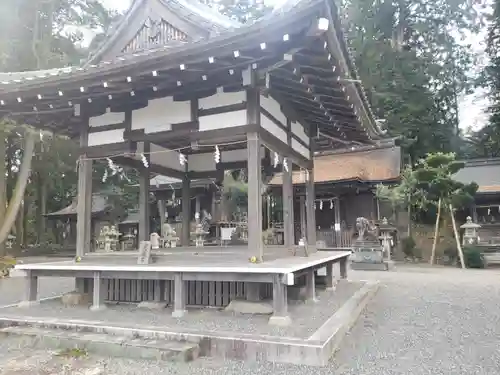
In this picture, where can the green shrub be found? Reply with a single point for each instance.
(408, 246)
(473, 257)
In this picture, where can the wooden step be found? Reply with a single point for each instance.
(104, 344)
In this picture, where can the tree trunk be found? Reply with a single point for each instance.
(436, 233)
(18, 194)
(457, 237)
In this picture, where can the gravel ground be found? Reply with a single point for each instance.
(307, 317)
(12, 289)
(422, 322)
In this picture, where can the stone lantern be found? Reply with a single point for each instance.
(386, 231)
(471, 236)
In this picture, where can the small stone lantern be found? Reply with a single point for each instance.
(471, 236)
(386, 231)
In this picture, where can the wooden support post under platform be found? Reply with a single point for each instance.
(31, 290)
(343, 268)
(98, 293)
(332, 276)
(255, 246)
(280, 303)
(310, 285)
(302, 211)
(186, 211)
(144, 198)
(310, 212)
(84, 200)
(289, 236)
(179, 296)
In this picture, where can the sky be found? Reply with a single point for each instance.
(472, 108)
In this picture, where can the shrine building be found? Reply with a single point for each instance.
(178, 90)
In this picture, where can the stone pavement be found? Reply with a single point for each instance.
(423, 321)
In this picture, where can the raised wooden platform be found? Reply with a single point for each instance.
(190, 276)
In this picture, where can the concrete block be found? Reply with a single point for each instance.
(75, 299)
(250, 307)
(151, 305)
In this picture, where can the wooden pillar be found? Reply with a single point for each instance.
(99, 293)
(186, 211)
(144, 197)
(310, 212)
(310, 285)
(161, 213)
(343, 268)
(474, 213)
(289, 239)
(179, 296)
(198, 208)
(84, 200)
(302, 211)
(331, 276)
(31, 290)
(337, 227)
(255, 246)
(280, 303)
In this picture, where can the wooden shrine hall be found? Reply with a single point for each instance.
(179, 90)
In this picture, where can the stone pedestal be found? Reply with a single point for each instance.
(369, 255)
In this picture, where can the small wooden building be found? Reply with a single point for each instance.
(345, 184)
(486, 207)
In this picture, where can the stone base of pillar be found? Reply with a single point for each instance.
(179, 313)
(98, 307)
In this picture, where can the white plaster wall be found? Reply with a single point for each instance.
(108, 118)
(299, 131)
(202, 162)
(272, 128)
(161, 156)
(160, 114)
(223, 120)
(168, 159)
(238, 155)
(304, 151)
(273, 107)
(106, 137)
(222, 98)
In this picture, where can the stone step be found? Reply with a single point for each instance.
(365, 266)
(105, 344)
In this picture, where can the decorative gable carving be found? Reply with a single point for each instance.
(152, 34)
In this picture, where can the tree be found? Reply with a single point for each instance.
(244, 11)
(486, 141)
(431, 184)
(40, 34)
(413, 66)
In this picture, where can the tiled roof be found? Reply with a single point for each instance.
(368, 166)
(99, 204)
(485, 173)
